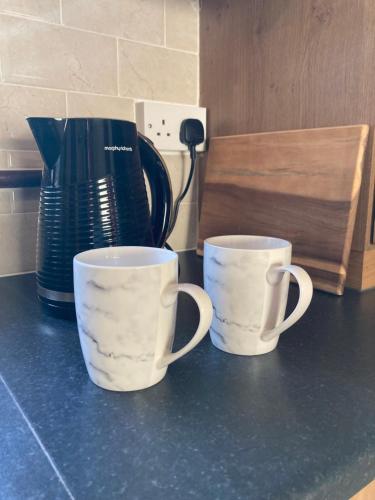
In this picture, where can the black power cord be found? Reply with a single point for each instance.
(191, 134)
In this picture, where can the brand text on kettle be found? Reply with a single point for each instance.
(118, 148)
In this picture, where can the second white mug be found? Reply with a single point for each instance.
(247, 279)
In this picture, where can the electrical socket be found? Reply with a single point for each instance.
(161, 123)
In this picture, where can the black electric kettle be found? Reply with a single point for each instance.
(93, 194)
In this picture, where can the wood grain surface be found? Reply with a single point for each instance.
(361, 270)
(270, 65)
(299, 185)
(367, 493)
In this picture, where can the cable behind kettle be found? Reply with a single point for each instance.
(191, 134)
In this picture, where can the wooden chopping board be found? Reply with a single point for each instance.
(300, 185)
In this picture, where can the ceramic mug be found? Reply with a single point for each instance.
(126, 300)
(247, 279)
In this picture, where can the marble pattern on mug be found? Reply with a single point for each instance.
(118, 320)
(238, 315)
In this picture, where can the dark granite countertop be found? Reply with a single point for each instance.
(298, 423)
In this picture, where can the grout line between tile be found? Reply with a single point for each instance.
(118, 66)
(7, 150)
(12, 204)
(140, 99)
(74, 28)
(27, 17)
(37, 438)
(24, 85)
(61, 16)
(133, 107)
(22, 272)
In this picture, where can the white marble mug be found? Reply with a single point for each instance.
(126, 300)
(247, 279)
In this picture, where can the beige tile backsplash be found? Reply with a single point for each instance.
(179, 168)
(47, 55)
(100, 106)
(16, 103)
(24, 159)
(140, 20)
(4, 162)
(17, 242)
(19, 200)
(44, 10)
(181, 24)
(25, 200)
(157, 73)
(88, 58)
(6, 201)
(185, 233)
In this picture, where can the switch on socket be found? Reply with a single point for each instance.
(161, 123)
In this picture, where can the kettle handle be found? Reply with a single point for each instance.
(160, 187)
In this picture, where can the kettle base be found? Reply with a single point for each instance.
(65, 310)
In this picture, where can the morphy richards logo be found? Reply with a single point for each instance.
(118, 148)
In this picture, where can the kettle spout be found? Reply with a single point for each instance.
(48, 134)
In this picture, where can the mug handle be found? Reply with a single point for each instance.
(205, 318)
(305, 296)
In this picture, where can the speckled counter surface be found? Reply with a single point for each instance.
(298, 423)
